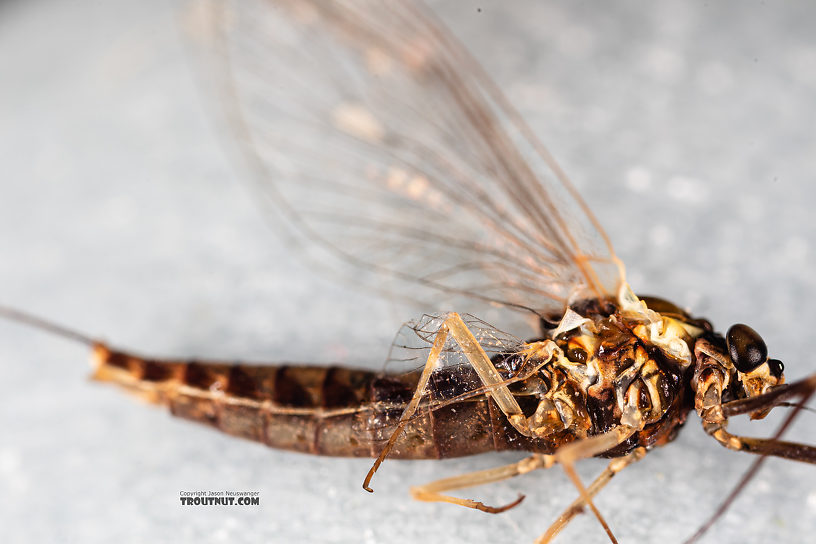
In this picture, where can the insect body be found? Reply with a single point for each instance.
(586, 382)
(583, 384)
(611, 379)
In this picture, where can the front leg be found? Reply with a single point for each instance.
(803, 390)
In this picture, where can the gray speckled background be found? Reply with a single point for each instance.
(687, 126)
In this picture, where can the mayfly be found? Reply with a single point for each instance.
(401, 157)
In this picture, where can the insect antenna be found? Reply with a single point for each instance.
(39, 323)
(770, 447)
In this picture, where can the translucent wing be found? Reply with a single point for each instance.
(413, 343)
(454, 378)
(378, 138)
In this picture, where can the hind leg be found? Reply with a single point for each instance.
(590, 447)
(615, 466)
(434, 491)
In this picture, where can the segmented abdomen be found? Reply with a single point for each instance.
(321, 410)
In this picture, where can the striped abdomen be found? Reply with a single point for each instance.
(320, 410)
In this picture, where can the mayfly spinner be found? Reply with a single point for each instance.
(401, 157)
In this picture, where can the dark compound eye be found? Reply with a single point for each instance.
(746, 347)
(777, 368)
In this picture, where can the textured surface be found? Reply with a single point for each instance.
(688, 130)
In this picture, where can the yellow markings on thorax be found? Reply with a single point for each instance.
(672, 336)
(540, 353)
(652, 377)
(583, 374)
(639, 388)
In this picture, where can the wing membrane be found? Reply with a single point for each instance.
(377, 137)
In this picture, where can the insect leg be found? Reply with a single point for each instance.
(430, 366)
(488, 374)
(615, 466)
(589, 447)
(804, 390)
(490, 377)
(433, 492)
(763, 446)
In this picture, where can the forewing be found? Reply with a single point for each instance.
(378, 138)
